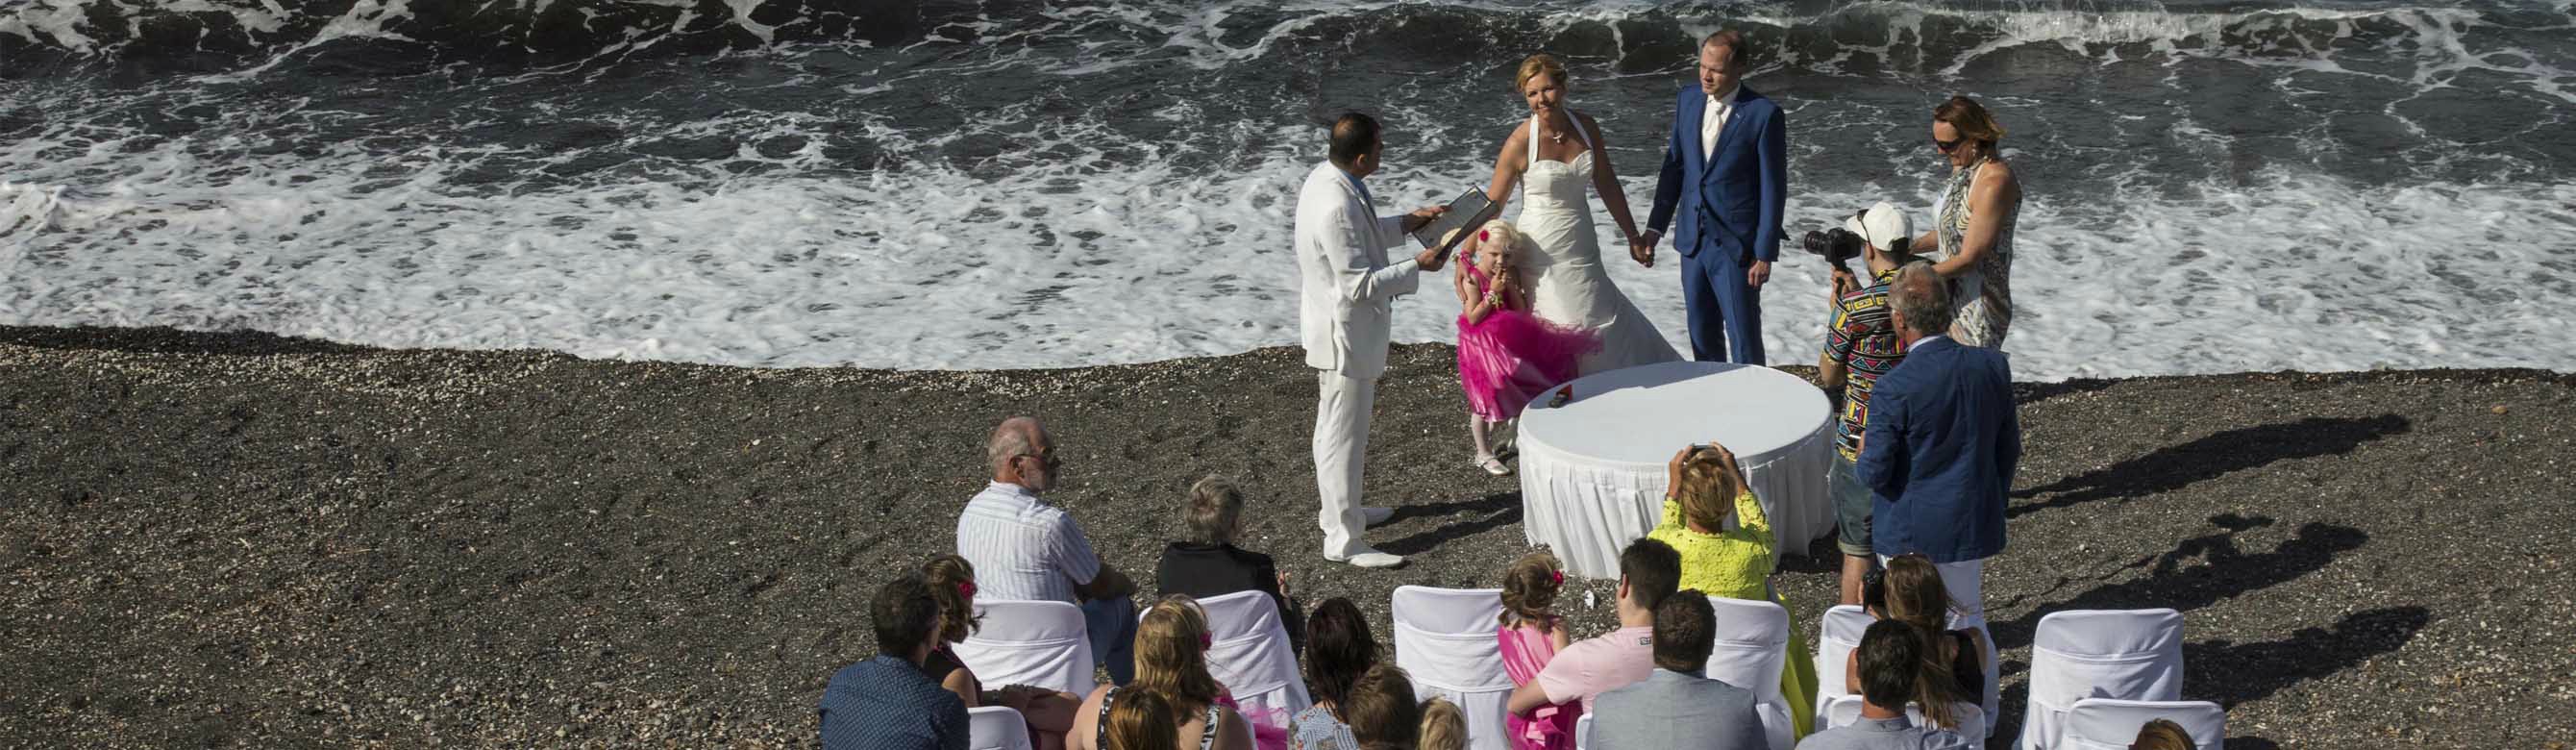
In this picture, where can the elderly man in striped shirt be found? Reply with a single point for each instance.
(1026, 549)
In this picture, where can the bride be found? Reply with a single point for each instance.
(1560, 154)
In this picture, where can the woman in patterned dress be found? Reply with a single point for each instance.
(1973, 222)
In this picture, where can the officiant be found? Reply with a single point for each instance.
(1346, 289)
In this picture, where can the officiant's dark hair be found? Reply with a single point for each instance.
(1353, 134)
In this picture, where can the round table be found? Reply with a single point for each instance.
(1592, 470)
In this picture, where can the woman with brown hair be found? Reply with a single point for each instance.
(1171, 662)
(1562, 160)
(1144, 721)
(1953, 669)
(2162, 734)
(1339, 650)
(1049, 713)
(1973, 221)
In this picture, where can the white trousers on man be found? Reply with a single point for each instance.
(1965, 581)
(1342, 408)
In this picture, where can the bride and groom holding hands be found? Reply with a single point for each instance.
(1538, 307)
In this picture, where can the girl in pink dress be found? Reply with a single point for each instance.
(1530, 635)
(1506, 356)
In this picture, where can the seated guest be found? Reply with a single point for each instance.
(1171, 662)
(1339, 649)
(1891, 656)
(1444, 727)
(1586, 669)
(952, 582)
(1032, 551)
(2162, 734)
(1529, 635)
(1207, 564)
(886, 701)
(1143, 722)
(1954, 665)
(1706, 486)
(1938, 455)
(1678, 706)
(1383, 713)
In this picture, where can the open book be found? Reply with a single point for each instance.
(1472, 209)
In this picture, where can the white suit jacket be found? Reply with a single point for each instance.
(1345, 281)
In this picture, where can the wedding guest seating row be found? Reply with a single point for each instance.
(2096, 676)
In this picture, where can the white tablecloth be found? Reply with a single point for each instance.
(1592, 471)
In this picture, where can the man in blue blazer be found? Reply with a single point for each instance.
(1939, 453)
(1726, 176)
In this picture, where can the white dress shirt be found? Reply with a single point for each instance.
(1024, 548)
(1713, 121)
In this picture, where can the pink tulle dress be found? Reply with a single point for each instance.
(1269, 727)
(1511, 356)
(1526, 650)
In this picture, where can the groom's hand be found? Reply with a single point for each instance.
(1760, 272)
(1423, 215)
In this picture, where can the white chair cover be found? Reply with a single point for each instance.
(1583, 733)
(1444, 639)
(1844, 710)
(1837, 711)
(2107, 724)
(1836, 638)
(2119, 654)
(996, 728)
(1752, 648)
(1029, 643)
(1249, 655)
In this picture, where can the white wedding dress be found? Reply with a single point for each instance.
(1567, 284)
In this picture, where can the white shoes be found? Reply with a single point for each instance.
(1368, 557)
(1375, 516)
(1492, 465)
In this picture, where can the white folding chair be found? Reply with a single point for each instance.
(1444, 639)
(1836, 638)
(1029, 643)
(2108, 724)
(1752, 648)
(2118, 654)
(1583, 733)
(1249, 655)
(996, 728)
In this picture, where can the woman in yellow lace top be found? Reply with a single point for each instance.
(1706, 487)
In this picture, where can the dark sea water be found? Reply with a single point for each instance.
(2213, 186)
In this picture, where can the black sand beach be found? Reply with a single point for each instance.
(244, 540)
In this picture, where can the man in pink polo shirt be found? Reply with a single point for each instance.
(1648, 572)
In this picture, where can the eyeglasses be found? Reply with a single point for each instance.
(1047, 459)
(1947, 146)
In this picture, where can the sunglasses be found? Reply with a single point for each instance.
(1947, 146)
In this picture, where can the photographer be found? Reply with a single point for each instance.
(1860, 345)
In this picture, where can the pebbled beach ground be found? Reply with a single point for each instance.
(241, 540)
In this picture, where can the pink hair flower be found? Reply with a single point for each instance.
(1206, 641)
(966, 589)
(1556, 576)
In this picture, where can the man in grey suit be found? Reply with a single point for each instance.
(1676, 706)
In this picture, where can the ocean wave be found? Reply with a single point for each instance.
(1102, 35)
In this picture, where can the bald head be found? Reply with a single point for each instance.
(1920, 300)
(1021, 454)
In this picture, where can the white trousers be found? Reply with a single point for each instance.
(1966, 582)
(1342, 408)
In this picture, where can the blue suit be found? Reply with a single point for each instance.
(1729, 204)
(1943, 439)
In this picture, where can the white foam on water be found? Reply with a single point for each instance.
(1065, 261)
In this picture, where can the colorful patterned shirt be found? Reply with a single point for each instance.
(1863, 338)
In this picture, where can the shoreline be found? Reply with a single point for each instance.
(242, 538)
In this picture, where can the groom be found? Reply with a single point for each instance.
(1727, 168)
(1345, 288)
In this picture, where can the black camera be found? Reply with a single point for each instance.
(1836, 245)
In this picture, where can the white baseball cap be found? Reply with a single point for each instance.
(1881, 224)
